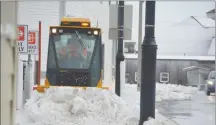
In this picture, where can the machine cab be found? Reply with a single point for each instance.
(74, 54)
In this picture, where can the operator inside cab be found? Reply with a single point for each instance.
(73, 55)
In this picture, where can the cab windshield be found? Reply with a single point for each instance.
(74, 50)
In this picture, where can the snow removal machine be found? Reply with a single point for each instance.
(74, 55)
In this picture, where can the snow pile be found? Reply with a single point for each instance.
(163, 92)
(152, 121)
(74, 106)
(174, 92)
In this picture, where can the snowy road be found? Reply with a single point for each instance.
(199, 111)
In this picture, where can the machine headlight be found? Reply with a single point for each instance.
(54, 30)
(95, 32)
(210, 82)
(60, 30)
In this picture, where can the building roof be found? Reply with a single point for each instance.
(211, 11)
(159, 57)
(195, 68)
(204, 21)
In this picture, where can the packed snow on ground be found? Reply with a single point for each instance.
(75, 106)
(163, 92)
(174, 92)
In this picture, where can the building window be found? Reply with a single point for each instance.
(129, 47)
(164, 77)
(126, 50)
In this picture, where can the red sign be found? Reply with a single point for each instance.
(32, 38)
(21, 32)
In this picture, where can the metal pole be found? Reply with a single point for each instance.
(120, 55)
(215, 44)
(115, 44)
(149, 53)
(36, 72)
(62, 10)
(113, 57)
(139, 44)
(39, 55)
(27, 80)
(29, 58)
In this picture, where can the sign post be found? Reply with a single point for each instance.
(33, 38)
(33, 42)
(120, 29)
(127, 21)
(22, 40)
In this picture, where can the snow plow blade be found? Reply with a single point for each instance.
(47, 85)
(43, 88)
(40, 88)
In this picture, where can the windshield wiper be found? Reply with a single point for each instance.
(79, 38)
(81, 42)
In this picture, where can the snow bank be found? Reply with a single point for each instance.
(174, 92)
(164, 92)
(73, 106)
(168, 57)
(165, 121)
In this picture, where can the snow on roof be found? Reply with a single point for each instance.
(205, 22)
(194, 38)
(211, 11)
(211, 50)
(159, 57)
(193, 68)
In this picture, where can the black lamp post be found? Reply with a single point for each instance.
(148, 66)
(120, 54)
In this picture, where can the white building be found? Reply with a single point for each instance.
(191, 37)
(211, 14)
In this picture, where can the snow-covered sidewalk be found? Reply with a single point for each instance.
(174, 92)
(74, 106)
(163, 92)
